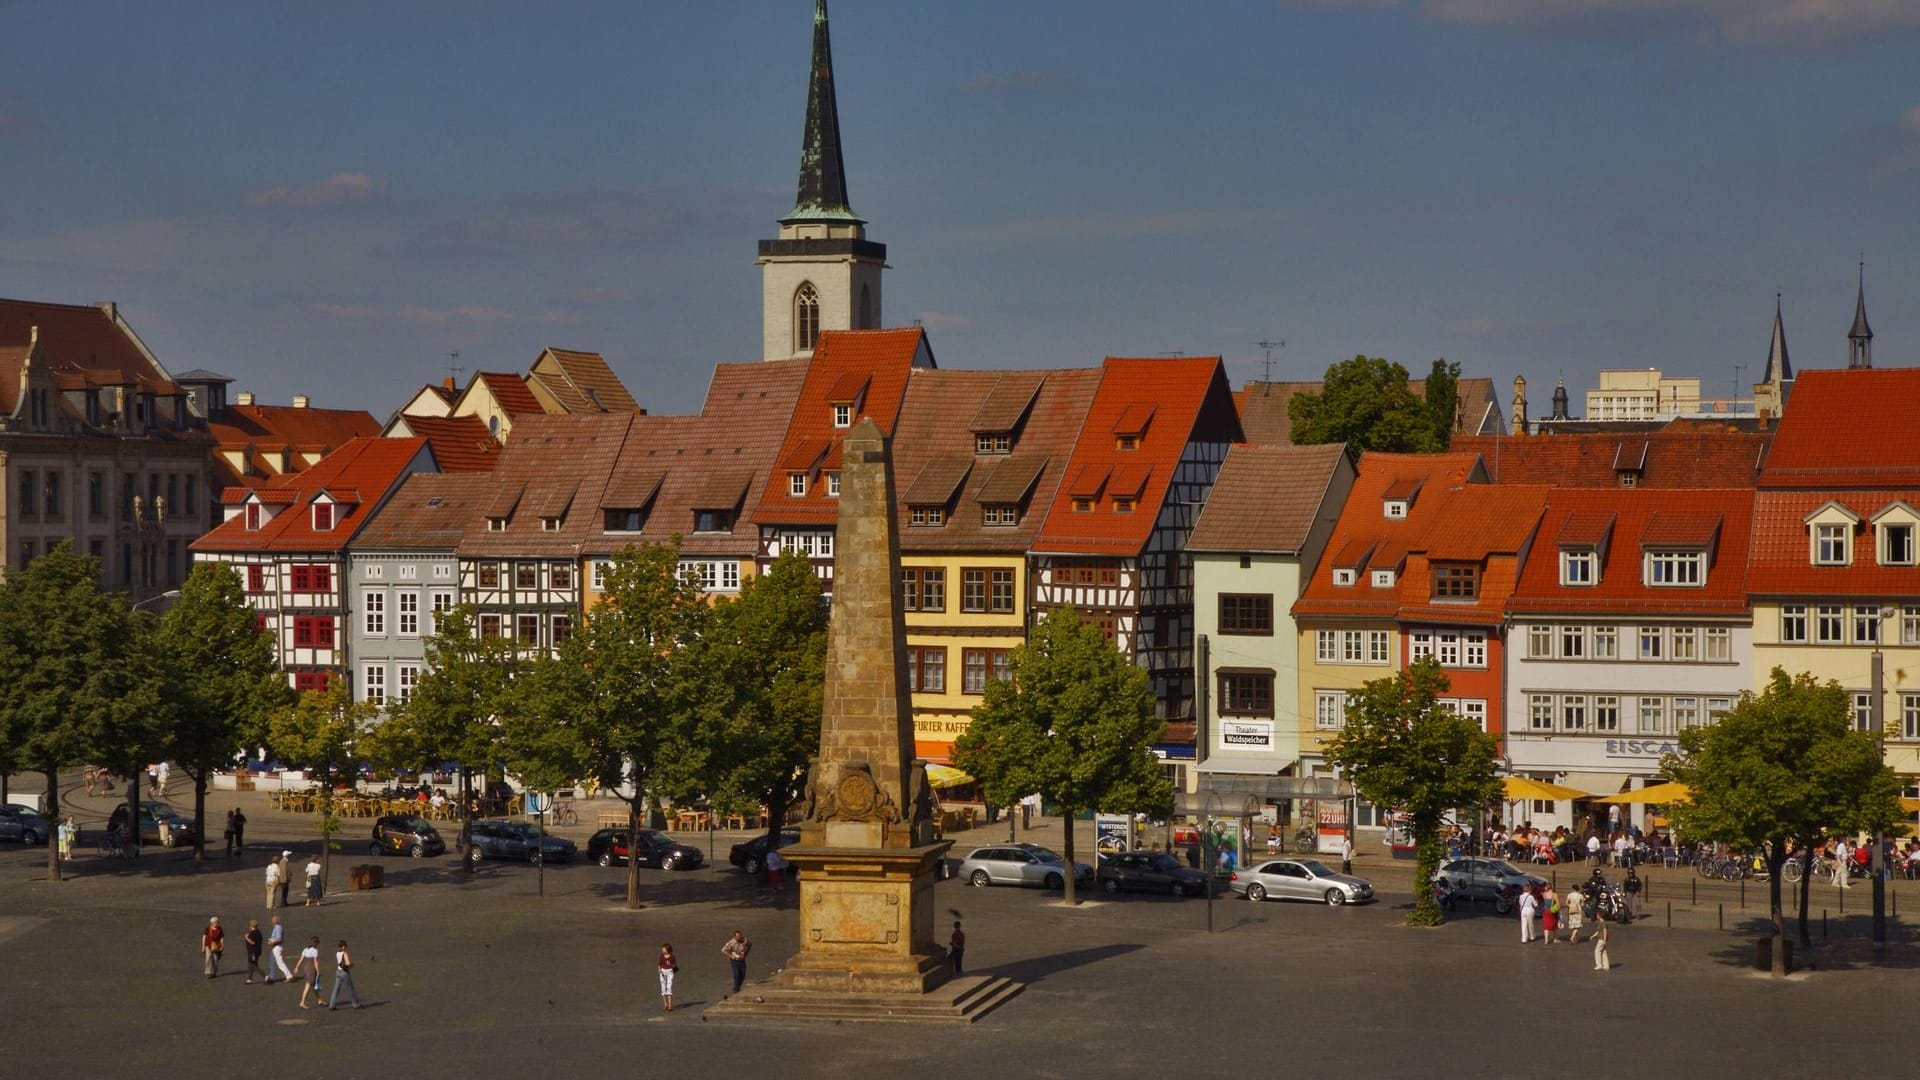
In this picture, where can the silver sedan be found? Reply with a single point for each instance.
(1300, 879)
(1019, 864)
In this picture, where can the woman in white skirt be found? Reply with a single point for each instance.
(668, 968)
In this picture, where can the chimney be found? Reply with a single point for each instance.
(301, 401)
(447, 384)
(244, 397)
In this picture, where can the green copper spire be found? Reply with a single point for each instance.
(823, 176)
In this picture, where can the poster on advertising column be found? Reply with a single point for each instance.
(1111, 832)
(1333, 825)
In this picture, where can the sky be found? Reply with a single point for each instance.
(331, 198)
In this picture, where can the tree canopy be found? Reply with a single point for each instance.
(1405, 751)
(1366, 403)
(321, 731)
(1783, 765)
(1074, 723)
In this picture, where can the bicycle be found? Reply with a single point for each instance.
(112, 844)
(1306, 840)
(563, 813)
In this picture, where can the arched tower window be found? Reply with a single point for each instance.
(866, 308)
(806, 318)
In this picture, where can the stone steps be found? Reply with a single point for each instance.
(958, 1001)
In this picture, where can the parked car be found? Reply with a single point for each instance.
(180, 829)
(22, 824)
(1149, 871)
(405, 834)
(1300, 879)
(495, 838)
(751, 855)
(655, 849)
(1486, 879)
(1019, 864)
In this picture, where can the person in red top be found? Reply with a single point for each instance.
(212, 941)
(669, 967)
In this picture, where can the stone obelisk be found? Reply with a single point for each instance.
(867, 857)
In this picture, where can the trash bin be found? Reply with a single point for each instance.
(1763, 954)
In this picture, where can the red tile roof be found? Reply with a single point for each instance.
(1267, 498)
(1848, 428)
(1637, 517)
(510, 390)
(1191, 403)
(1782, 560)
(1682, 454)
(370, 466)
(843, 358)
(262, 430)
(460, 443)
(1364, 527)
(1479, 524)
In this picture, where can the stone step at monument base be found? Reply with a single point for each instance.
(957, 1001)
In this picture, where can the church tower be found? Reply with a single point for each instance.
(821, 273)
(1776, 383)
(1860, 338)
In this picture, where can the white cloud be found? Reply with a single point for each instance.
(465, 314)
(335, 190)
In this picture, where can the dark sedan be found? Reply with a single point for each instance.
(609, 846)
(1149, 871)
(22, 824)
(497, 839)
(159, 824)
(751, 855)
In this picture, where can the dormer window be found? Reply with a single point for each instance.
(1831, 544)
(253, 517)
(93, 408)
(1123, 506)
(1396, 508)
(1398, 498)
(927, 516)
(1083, 506)
(1896, 543)
(549, 524)
(1127, 442)
(1458, 582)
(1579, 568)
(843, 415)
(1676, 569)
(323, 517)
(993, 443)
(1383, 579)
(496, 524)
(1345, 575)
(797, 484)
(623, 521)
(833, 485)
(713, 521)
(1000, 514)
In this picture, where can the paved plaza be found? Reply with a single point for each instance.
(100, 976)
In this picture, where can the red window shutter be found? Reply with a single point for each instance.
(323, 632)
(256, 579)
(260, 623)
(302, 631)
(322, 579)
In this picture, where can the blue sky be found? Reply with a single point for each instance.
(329, 199)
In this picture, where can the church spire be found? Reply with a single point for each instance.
(1860, 338)
(1779, 368)
(823, 175)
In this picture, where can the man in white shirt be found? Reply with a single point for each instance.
(277, 943)
(1528, 907)
(273, 884)
(1593, 848)
(1620, 848)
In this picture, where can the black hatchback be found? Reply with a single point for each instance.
(405, 834)
(609, 846)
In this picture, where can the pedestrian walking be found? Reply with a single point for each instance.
(254, 940)
(1631, 887)
(669, 966)
(162, 776)
(239, 832)
(342, 976)
(286, 875)
(736, 950)
(229, 834)
(1346, 855)
(212, 943)
(313, 881)
(273, 884)
(276, 952)
(1601, 961)
(92, 777)
(308, 968)
(1529, 904)
(67, 832)
(1549, 915)
(957, 948)
(1576, 911)
(153, 780)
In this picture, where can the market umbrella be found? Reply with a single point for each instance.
(1657, 795)
(1911, 806)
(946, 776)
(1525, 787)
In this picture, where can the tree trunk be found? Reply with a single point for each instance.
(1427, 850)
(132, 827)
(1071, 894)
(53, 834)
(466, 819)
(3, 789)
(199, 777)
(326, 828)
(1776, 861)
(633, 841)
(1806, 885)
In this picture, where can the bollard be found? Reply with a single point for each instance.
(1553, 877)
(1694, 890)
(1669, 914)
(1723, 915)
(1743, 894)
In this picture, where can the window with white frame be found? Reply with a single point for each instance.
(1378, 643)
(1910, 717)
(1606, 643)
(1716, 644)
(1474, 650)
(1793, 624)
(443, 602)
(1474, 709)
(1829, 625)
(1896, 544)
(796, 484)
(712, 575)
(1830, 544)
(1329, 710)
(1862, 710)
(1446, 649)
(1683, 643)
(409, 572)
(1326, 646)
(597, 573)
(373, 611)
(407, 613)
(374, 680)
(1419, 645)
(1606, 714)
(1910, 624)
(407, 678)
(843, 415)
(1383, 579)
(1686, 713)
(1718, 707)
(833, 485)
(1344, 576)
(1577, 567)
(1573, 642)
(1654, 719)
(1540, 641)
(1676, 569)
(1573, 712)
(1540, 712)
(1866, 625)
(1653, 641)
(1352, 648)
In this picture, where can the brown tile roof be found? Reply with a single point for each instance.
(1782, 559)
(85, 340)
(938, 420)
(1848, 428)
(510, 390)
(581, 381)
(557, 466)
(428, 511)
(369, 466)
(1633, 514)
(1680, 454)
(460, 443)
(937, 481)
(1267, 498)
(1263, 407)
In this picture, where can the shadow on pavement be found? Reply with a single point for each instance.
(1037, 968)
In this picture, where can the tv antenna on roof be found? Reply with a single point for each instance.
(453, 367)
(1266, 366)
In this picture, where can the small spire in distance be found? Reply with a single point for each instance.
(1779, 367)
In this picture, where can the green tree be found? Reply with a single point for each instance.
(74, 683)
(616, 704)
(1443, 399)
(1785, 764)
(222, 680)
(761, 669)
(456, 711)
(321, 731)
(1404, 750)
(1367, 404)
(1074, 723)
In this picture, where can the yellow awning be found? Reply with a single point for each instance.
(946, 776)
(1911, 806)
(1656, 795)
(1525, 787)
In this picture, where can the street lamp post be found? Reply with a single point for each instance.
(170, 594)
(1878, 864)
